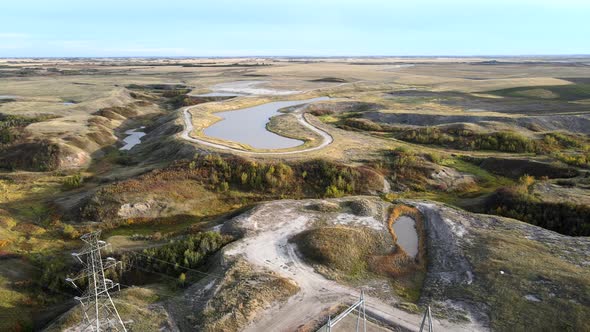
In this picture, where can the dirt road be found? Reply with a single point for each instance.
(266, 244)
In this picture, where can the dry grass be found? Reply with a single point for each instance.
(241, 296)
(136, 305)
(530, 268)
(342, 250)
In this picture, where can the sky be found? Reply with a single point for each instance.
(109, 28)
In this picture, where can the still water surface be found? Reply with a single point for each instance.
(248, 125)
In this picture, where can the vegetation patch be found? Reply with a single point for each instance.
(179, 256)
(238, 180)
(343, 251)
(520, 276)
(170, 95)
(330, 80)
(571, 92)
(354, 254)
(520, 203)
(515, 168)
(242, 294)
(136, 305)
(39, 155)
(19, 151)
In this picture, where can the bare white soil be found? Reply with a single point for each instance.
(268, 229)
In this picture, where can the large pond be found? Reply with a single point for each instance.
(248, 125)
(407, 236)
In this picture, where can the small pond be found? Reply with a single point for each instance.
(407, 236)
(133, 138)
(218, 94)
(248, 125)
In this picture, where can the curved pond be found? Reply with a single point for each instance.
(407, 236)
(248, 125)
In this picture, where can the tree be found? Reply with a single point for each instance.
(526, 181)
(70, 232)
(182, 279)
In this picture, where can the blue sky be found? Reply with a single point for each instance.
(285, 27)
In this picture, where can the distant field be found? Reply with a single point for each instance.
(561, 92)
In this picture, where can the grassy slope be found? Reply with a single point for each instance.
(563, 92)
(530, 268)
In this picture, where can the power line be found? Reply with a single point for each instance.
(172, 264)
(155, 272)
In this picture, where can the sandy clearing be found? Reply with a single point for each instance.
(266, 244)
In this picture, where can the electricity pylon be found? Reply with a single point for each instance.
(427, 315)
(98, 310)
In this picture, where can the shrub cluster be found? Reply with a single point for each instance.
(562, 217)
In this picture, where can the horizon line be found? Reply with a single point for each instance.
(298, 56)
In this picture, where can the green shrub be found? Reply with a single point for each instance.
(189, 252)
(74, 181)
(565, 218)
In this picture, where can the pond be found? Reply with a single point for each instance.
(249, 88)
(407, 236)
(133, 138)
(248, 125)
(218, 94)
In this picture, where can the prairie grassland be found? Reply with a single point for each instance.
(33, 222)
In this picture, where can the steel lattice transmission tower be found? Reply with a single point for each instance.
(99, 311)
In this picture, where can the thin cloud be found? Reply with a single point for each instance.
(12, 35)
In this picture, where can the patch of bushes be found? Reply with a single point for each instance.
(317, 178)
(53, 273)
(41, 155)
(405, 168)
(568, 92)
(170, 95)
(563, 140)
(468, 140)
(189, 252)
(11, 126)
(515, 168)
(574, 159)
(231, 174)
(363, 124)
(73, 181)
(562, 217)
(321, 112)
